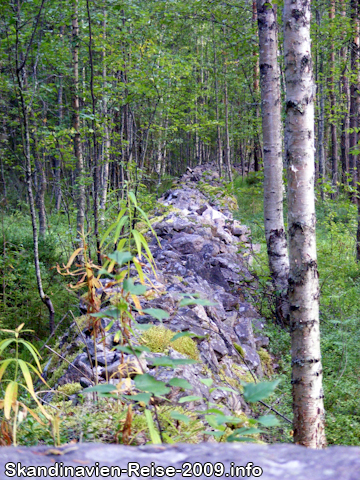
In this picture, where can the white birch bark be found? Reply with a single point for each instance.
(273, 163)
(308, 395)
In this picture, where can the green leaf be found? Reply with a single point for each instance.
(157, 313)
(195, 301)
(190, 398)
(235, 438)
(4, 364)
(170, 362)
(247, 431)
(207, 381)
(209, 410)
(147, 383)
(136, 349)
(142, 326)
(111, 312)
(253, 392)
(180, 382)
(185, 334)
(215, 433)
(180, 417)
(154, 435)
(220, 419)
(6, 343)
(268, 421)
(213, 423)
(140, 397)
(132, 197)
(119, 228)
(227, 389)
(121, 257)
(129, 286)
(103, 388)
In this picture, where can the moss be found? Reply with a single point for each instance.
(240, 373)
(158, 339)
(104, 421)
(217, 194)
(239, 349)
(59, 372)
(186, 346)
(266, 362)
(70, 388)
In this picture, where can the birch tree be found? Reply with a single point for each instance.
(273, 164)
(308, 395)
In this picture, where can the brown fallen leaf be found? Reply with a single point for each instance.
(56, 451)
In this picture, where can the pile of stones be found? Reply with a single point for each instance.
(200, 249)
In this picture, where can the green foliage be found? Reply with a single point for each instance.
(339, 313)
(11, 403)
(19, 293)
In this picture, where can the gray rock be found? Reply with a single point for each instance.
(272, 462)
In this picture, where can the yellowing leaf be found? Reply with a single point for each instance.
(137, 302)
(10, 397)
(4, 365)
(73, 256)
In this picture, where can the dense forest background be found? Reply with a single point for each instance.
(98, 99)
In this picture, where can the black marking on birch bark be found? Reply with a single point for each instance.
(301, 325)
(297, 14)
(304, 361)
(264, 67)
(305, 63)
(295, 106)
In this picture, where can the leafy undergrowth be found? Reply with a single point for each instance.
(339, 313)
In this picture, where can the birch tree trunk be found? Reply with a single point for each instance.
(273, 164)
(308, 394)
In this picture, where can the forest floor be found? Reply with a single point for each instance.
(339, 311)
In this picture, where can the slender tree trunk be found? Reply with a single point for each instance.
(355, 109)
(321, 149)
(218, 130)
(354, 94)
(27, 155)
(321, 122)
(106, 139)
(273, 163)
(96, 170)
(57, 160)
(227, 135)
(80, 187)
(257, 145)
(334, 145)
(41, 188)
(308, 405)
(345, 93)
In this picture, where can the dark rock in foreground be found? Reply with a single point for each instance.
(285, 462)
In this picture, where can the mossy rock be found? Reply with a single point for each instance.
(65, 391)
(266, 362)
(158, 339)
